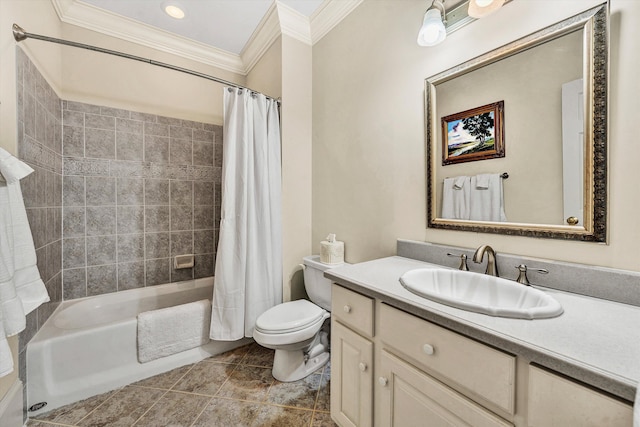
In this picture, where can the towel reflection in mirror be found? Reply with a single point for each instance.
(475, 198)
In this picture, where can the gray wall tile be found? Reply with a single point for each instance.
(182, 218)
(74, 252)
(203, 242)
(181, 192)
(157, 271)
(203, 135)
(100, 191)
(130, 247)
(181, 275)
(157, 245)
(155, 129)
(74, 283)
(130, 219)
(203, 193)
(73, 222)
(181, 151)
(101, 250)
(156, 148)
(156, 192)
(130, 275)
(156, 218)
(203, 266)
(73, 141)
(145, 117)
(179, 132)
(73, 118)
(101, 279)
(99, 122)
(129, 146)
(100, 143)
(101, 220)
(181, 243)
(130, 126)
(203, 217)
(130, 191)
(202, 153)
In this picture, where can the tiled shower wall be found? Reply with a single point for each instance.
(39, 121)
(138, 190)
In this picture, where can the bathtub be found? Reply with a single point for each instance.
(88, 346)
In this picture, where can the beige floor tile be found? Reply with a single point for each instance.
(228, 412)
(123, 408)
(258, 356)
(205, 378)
(301, 394)
(232, 356)
(71, 414)
(174, 410)
(165, 380)
(322, 419)
(247, 383)
(324, 399)
(278, 416)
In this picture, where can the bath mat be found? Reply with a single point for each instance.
(171, 330)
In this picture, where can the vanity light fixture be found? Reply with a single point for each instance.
(433, 31)
(481, 8)
(173, 9)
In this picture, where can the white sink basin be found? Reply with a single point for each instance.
(481, 293)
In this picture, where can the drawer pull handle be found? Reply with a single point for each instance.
(362, 366)
(428, 349)
(383, 381)
(347, 309)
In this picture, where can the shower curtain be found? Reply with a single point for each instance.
(248, 272)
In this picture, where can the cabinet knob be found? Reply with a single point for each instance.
(428, 349)
(383, 381)
(347, 309)
(362, 366)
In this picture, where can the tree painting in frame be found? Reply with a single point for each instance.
(476, 134)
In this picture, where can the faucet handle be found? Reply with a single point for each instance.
(522, 275)
(463, 261)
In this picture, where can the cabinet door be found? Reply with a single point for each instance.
(555, 401)
(351, 377)
(408, 397)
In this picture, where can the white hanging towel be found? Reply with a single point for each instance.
(455, 197)
(487, 200)
(21, 288)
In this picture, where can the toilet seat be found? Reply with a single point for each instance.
(290, 317)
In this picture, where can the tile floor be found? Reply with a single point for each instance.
(232, 389)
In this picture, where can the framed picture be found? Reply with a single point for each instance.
(476, 134)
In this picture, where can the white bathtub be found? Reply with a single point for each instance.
(88, 346)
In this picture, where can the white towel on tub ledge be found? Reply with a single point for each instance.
(171, 330)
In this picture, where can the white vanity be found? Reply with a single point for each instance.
(402, 360)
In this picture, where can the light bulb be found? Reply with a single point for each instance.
(432, 31)
(484, 3)
(481, 8)
(173, 9)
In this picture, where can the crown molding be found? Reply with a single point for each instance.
(328, 15)
(84, 15)
(279, 19)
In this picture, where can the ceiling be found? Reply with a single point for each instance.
(228, 34)
(224, 24)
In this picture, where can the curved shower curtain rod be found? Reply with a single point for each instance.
(19, 34)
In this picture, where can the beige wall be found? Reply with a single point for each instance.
(368, 143)
(296, 162)
(97, 78)
(37, 16)
(532, 95)
(266, 75)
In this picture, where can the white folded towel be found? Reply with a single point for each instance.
(21, 288)
(455, 197)
(482, 180)
(174, 329)
(487, 204)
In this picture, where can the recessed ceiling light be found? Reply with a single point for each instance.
(173, 9)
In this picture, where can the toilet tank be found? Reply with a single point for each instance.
(318, 287)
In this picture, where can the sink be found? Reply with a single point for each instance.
(481, 293)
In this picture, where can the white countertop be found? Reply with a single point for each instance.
(595, 341)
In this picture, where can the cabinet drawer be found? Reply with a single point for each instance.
(488, 374)
(555, 401)
(352, 309)
(408, 397)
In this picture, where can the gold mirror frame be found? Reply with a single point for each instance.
(594, 23)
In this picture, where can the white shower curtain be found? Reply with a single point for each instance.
(248, 273)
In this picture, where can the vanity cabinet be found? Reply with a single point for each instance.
(391, 368)
(556, 401)
(351, 358)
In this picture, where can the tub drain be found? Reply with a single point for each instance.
(37, 406)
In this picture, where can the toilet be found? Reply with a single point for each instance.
(298, 330)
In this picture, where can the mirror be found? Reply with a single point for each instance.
(530, 117)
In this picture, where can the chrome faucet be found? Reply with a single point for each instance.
(492, 267)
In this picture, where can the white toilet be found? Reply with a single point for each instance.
(295, 329)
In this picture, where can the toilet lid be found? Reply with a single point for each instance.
(289, 317)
